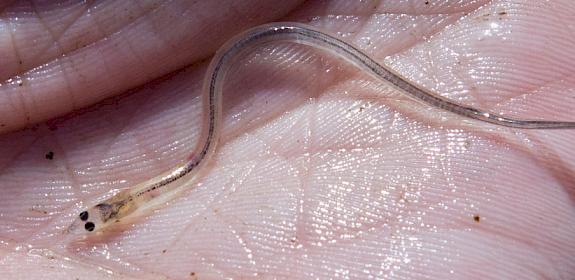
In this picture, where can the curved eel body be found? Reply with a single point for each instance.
(127, 202)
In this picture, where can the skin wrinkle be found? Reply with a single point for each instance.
(432, 67)
(502, 234)
(179, 236)
(411, 45)
(155, 23)
(405, 48)
(13, 42)
(14, 158)
(55, 37)
(285, 158)
(136, 54)
(165, 65)
(299, 231)
(104, 62)
(393, 234)
(74, 182)
(19, 94)
(241, 240)
(359, 233)
(533, 90)
(121, 128)
(228, 226)
(314, 93)
(125, 123)
(514, 238)
(555, 165)
(149, 150)
(78, 48)
(416, 9)
(64, 61)
(229, 137)
(71, 96)
(236, 11)
(400, 14)
(562, 174)
(472, 92)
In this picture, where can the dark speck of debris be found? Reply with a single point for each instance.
(192, 274)
(164, 251)
(476, 218)
(426, 2)
(502, 13)
(50, 155)
(35, 209)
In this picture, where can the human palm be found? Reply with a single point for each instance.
(321, 172)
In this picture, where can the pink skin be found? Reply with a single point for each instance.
(355, 182)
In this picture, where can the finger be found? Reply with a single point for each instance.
(61, 59)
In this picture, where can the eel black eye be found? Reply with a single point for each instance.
(89, 226)
(84, 216)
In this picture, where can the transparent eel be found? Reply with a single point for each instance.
(129, 201)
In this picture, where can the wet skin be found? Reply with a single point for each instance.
(354, 181)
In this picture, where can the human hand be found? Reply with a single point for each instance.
(345, 185)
